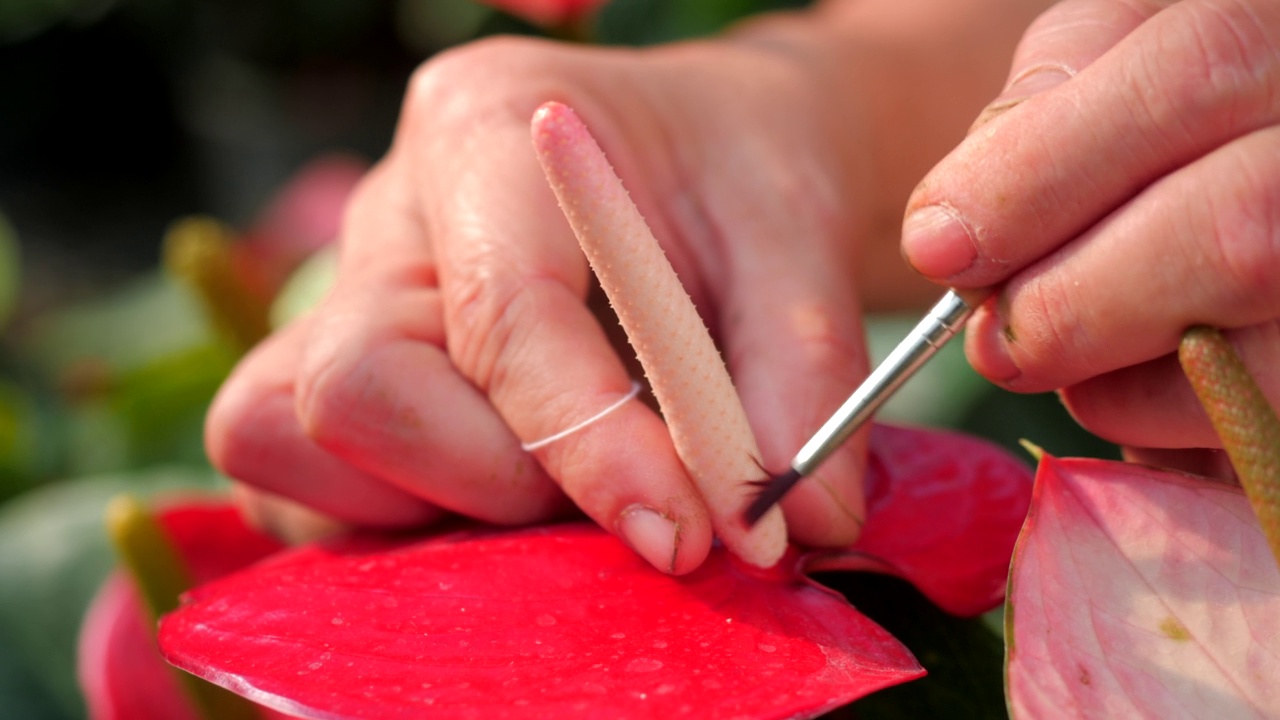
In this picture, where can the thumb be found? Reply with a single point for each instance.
(1064, 40)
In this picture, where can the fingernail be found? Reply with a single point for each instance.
(1026, 85)
(1037, 79)
(991, 337)
(937, 243)
(1001, 366)
(651, 535)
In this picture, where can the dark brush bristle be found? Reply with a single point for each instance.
(771, 491)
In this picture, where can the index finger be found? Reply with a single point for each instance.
(1184, 82)
(707, 422)
(514, 284)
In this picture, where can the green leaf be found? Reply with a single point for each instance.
(152, 414)
(645, 22)
(21, 695)
(429, 25)
(27, 445)
(149, 318)
(964, 658)
(306, 287)
(10, 269)
(163, 403)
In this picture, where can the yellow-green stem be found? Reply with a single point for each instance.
(161, 577)
(1035, 451)
(1243, 419)
(197, 251)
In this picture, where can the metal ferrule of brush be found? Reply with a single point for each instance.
(943, 321)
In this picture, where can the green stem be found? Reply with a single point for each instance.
(1035, 451)
(161, 577)
(1243, 419)
(197, 251)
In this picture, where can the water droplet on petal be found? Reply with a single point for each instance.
(644, 665)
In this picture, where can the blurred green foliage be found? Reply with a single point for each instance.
(645, 22)
(119, 117)
(964, 658)
(55, 557)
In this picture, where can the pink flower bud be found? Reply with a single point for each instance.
(547, 13)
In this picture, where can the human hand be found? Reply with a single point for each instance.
(460, 324)
(1123, 188)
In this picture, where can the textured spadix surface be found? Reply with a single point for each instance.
(708, 424)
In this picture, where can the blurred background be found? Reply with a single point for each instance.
(168, 171)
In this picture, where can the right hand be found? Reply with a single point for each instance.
(1120, 191)
(459, 324)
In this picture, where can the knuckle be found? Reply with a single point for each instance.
(486, 310)
(364, 210)
(250, 407)
(1054, 36)
(1228, 52)
(1044, 322)
(1244, 231)
(366, 197)
(446, 89)
(227, 442)
(333, 383)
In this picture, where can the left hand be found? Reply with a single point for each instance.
(1124, 187)
(460, 321)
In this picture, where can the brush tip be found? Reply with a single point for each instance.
(771, 492)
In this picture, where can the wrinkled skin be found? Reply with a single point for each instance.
(1108, 211)
(1138, 157)
(459, 325)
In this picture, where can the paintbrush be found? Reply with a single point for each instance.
(942, 322)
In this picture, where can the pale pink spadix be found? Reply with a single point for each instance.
(688, 376)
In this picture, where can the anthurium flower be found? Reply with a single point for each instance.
(565, 621)
(1136, 592)
(940, 507)
(548, 13)
(121, 672)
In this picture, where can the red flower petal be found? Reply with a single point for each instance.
(121, 672)
(561, 622)
(213, 539)
(566, 621)
(1141, 593)
(943, 512)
